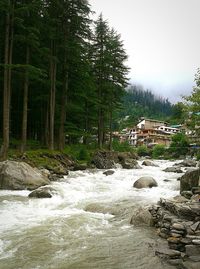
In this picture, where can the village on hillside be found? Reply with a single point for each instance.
(151, 132)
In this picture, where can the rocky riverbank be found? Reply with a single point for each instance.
(178, 222)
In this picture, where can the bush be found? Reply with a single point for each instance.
(179, 145)
(158, 151)
(83, 154)
(121, 147)
(142, 150)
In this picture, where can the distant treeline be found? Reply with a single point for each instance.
(62, 75)
(138, 102)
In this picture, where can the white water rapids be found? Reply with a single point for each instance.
(86, 225)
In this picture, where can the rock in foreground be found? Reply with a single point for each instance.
(145, 182)
(189, 180)
(20, 176)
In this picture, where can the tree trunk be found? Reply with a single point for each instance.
(53, 67)
(110, 137)
(25, 103)
(7, 82)
(61, 142)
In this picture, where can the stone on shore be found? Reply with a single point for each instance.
(20, 176)
(189, 180)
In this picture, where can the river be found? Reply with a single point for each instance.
(86, 225)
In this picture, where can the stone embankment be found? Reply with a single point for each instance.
(178, 221)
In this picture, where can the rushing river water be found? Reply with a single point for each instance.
(86, 225)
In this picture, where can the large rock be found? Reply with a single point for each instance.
(20, 176)
(186, 163)
(103, 160)
(173, 170)
(189, 180)
(142, 216)
(149, 163)
(130, 164)
(145, 182)
(43, 192)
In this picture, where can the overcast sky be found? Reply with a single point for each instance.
(161, 38)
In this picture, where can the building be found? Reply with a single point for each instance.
(149, 123)
(149, 132)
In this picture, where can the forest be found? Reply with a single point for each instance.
(62, 74)
(139, 102)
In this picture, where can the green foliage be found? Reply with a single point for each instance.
(121, 147)
(179, 145)
(142, 150)
(198, 156)
(158, 151)
(83, 154)
(138, 102)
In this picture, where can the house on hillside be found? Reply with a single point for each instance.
(152, 137)
(150, 123)
(168, 130)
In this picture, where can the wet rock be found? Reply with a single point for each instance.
(20, 176)
(102, 160)
(130, 164)
(149, 163)
(173, 170)
(166, 180)
(189, 180)
(109, 172)
(55, 177)
(186, 163)
(145, 182)
(142, 216)
(168, 253)
(187, 194)
(42, 192)
(80, 167)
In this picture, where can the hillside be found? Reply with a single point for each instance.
(138, 102)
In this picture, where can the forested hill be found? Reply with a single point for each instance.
(138, 102)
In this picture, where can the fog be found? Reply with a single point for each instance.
(161, 38)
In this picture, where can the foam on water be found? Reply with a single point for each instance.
(74, 193)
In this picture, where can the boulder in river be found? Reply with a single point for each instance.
(145, 182)
(109, 172)
(186, 163)
(189, 180)
(20, 176)
(42, 192)
(149, 163)
(130, 164)
(173, 170)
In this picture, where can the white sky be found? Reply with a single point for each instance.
(162, 39)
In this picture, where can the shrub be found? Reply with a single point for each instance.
(179, 145)
(83, 154)
(158, 151)
(142, 150)
(121, 147)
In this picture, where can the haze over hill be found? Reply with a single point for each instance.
(161, 40)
